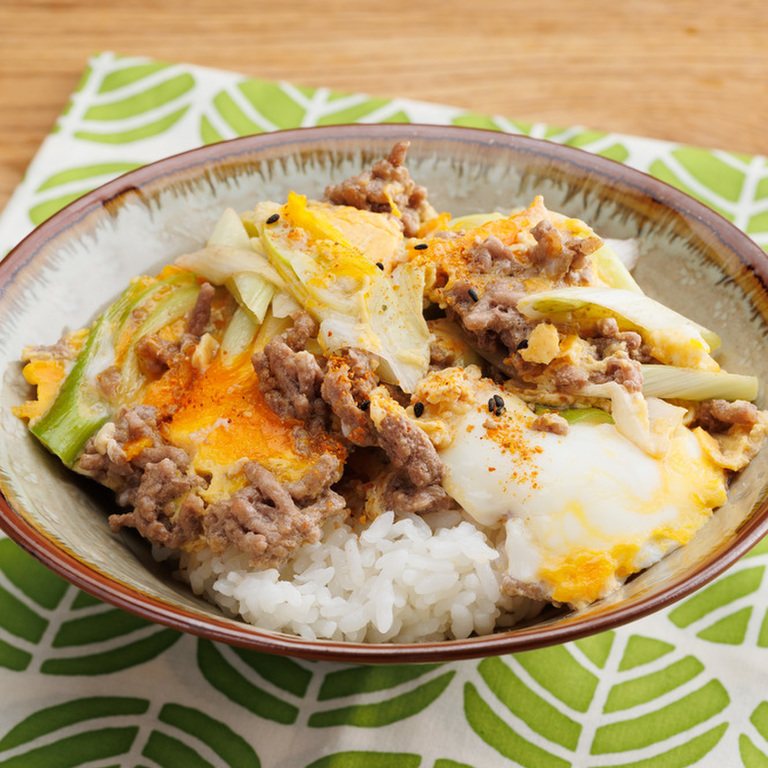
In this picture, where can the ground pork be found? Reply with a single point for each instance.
(346, 388)
(562, 259)
(155, 354)
(403, 497)
(492, 318)
(290, 377)
(166, 510)
(386, 188)
(264, 519)
(409, 449)
(720, 415)
(153, 480)
(550, 422)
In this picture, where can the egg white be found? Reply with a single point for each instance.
(582, 511)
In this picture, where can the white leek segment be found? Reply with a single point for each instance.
(670, 382)
(238, 336)
(356, 303)
(612, 269)
(252, 292)
(234, 259)
(672, 337)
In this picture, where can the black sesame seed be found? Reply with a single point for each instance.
(420, 247)
(499, 401)
(499, 411)
(491, 405)
(472, 293)
(418, 409)
(364, 405)
(523, 344)
(273, 218)
(380, 265)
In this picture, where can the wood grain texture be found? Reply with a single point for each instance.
(693, 71)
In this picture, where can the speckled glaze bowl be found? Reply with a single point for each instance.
(72, 266)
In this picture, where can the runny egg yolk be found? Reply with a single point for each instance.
(582, 511)
(221, 419)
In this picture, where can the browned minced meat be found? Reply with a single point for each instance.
(611, 341)
(154, 482)
(560, 258)
(155, 354)
(493, 319)
(622, 370)
(265, 521)
(514, 587)
(387, 184)
(487, 309)
(347, 386)
(201, 312)
(166, 510)
(403, 497)
(550, 422)
(492, 256)
(61, 350)
(290, 380)
(343, 388)
(720, 415)
(113, 468)
(409, 449)
(108, 381)
(568, 377)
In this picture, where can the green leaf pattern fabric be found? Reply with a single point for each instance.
(86, 684)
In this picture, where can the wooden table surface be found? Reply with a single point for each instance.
(694, 71)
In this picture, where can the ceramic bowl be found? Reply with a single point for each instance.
(75, 263)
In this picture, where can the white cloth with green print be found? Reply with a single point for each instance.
(82, 683)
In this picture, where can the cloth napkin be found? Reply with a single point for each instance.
(82, 683)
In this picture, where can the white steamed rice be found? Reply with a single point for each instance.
(394, 581)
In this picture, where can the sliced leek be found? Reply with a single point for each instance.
(586, 415)
(217, 263)
(612, 269)
(239, 335)
(633, 311)
(253, 293)
(668, 381)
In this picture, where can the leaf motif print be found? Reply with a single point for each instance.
(680, 169)
(90, 638)
(135, 101)
(65, 186)
(356, 680)
(371, 711)
(722, 612)
(224, 669)
(256, 106)
(753, 745)
(367, 760)
(552, 707)
(97, 737)
(81, 731)
(224, 743)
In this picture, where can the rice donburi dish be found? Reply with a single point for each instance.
(362, 419)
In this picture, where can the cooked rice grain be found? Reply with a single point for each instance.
(398, 580)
